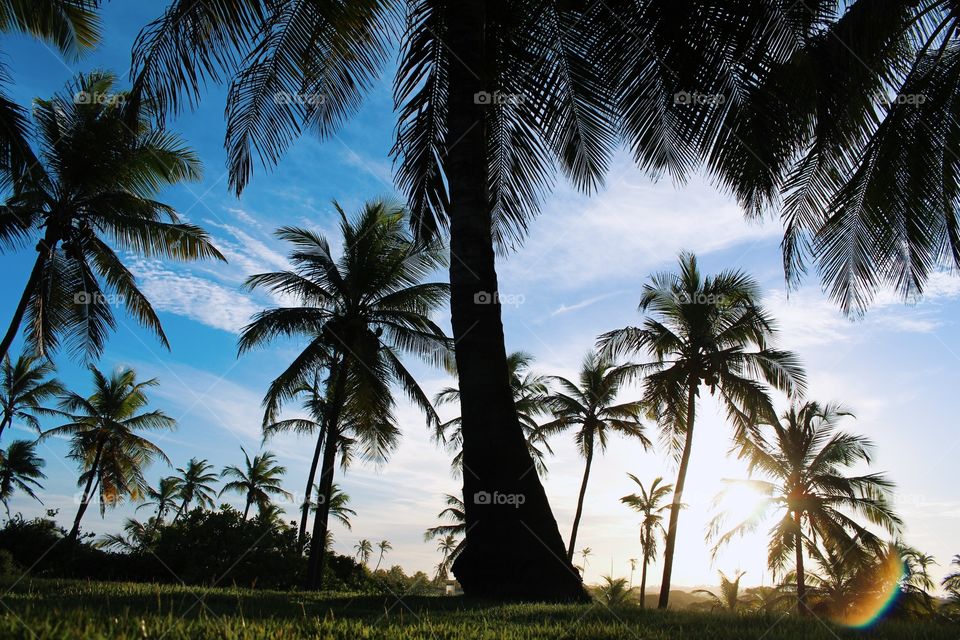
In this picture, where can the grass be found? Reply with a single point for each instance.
(75, 610)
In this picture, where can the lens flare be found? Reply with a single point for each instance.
(882, 584)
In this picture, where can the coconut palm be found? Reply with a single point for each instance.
(809, 492)
(105, 441)
(728, 598)
(135, 537)
(91, 194)
(359, 312)
(457, 526)
(196, 485)
(585, 553)
(530, 393)
(384, 546)
(337, 506)
(614, 592)
(590, 405)
(363, 548)
(163, 498)
(20, 471)
(551, 84)
(951, 583)
(704, 330)
(260, 479)
(633, 569)
(271, 514)
(648, 504)
(915, 584)
(25, 387)
(450, 547)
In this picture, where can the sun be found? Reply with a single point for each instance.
(741, 502)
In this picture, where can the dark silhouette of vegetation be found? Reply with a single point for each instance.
(26, 386)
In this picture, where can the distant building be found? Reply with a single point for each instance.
(452, 588)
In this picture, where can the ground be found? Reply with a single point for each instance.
(42, 609)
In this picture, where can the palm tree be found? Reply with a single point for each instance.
(729, 596)
(363, 548)
(951, 583)
(700, 332)
(530, 392)
(591, 406)
(457, 526)
(337, 506)
(104, 438)
(135, 537)
(168, 491)
(260, 478)
(585, 553)
(359, 313)
(450, 547)
(91, 193)
(633, 569)
(384, 546)
(25, 387)
(20, 470)
(648, 504)
(810, 493)
(614, 592)
(196, 482)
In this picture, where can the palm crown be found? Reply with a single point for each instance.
(195, 485)
(25, 387)
(257, 481)
(20, 471)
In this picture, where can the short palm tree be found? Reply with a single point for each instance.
(105, 440)
(359, 313)
(163, 498)
(530, 393)
(649, 504)
(704, 330)
(728, 598)
(364, 549)
(20, 471)
(260, 479)
(271, 514)
(135, 537)
(384, 546)
(809, 492)
(196, 485)
(590, 405)
(25, 387)
(457, 525)
(92, 193)
(614, 592)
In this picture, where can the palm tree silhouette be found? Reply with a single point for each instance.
(450, 547)
(455, 513)
(25, 387)
(530, 393)
(809, 492)
(260, 478)
(590, 404)
(135, 537)
(92, 192)
(951, 583)
(648, 504)
(614, 592)
(104, 438)
(729, 597)
(363, 548)
(196, 482)
(384, 546)
(585, 553)
(164, 497)
(20, 471)
(699, 333)
(633, 568)
(360, 312)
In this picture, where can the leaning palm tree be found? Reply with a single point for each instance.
(457, 525)
(810, 493)
(105, 441)
(257, 481)
(384, 546)
(196, 485)
(551, 84)
(590, 405)
(728, 598)
(364, 549)
(20, 471)
(92, 193)
(163, 498)
(648, 504)
(359, 313)
(530, 393)
(704, 330)
(25, 387)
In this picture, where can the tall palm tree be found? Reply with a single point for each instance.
(728, 598)
(590, 405)
(450, 547)
(530, 392)
(457, 525)
(163, 498)
(633, 569)
(585, 553)
(105, 440)
(363, 548)
(25, 387)
(491, 97)
(704, 330)
(648, 504)
(101, 165)
(384, 546)
(359, 313)
(196, 485)
(20, 471)
(809, 492)
(260, 478)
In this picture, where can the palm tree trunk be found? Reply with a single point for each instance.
(317, 559)
(583, 493)
(32, 282)
(6, 419)
(305, 507)
(85, 499)
(643, 582)
(670, 546)
(246, 509)
(183, 506)
(801, 586)
(515, 550)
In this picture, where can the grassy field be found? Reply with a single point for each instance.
(41, 609)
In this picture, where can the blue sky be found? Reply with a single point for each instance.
(578, 274)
